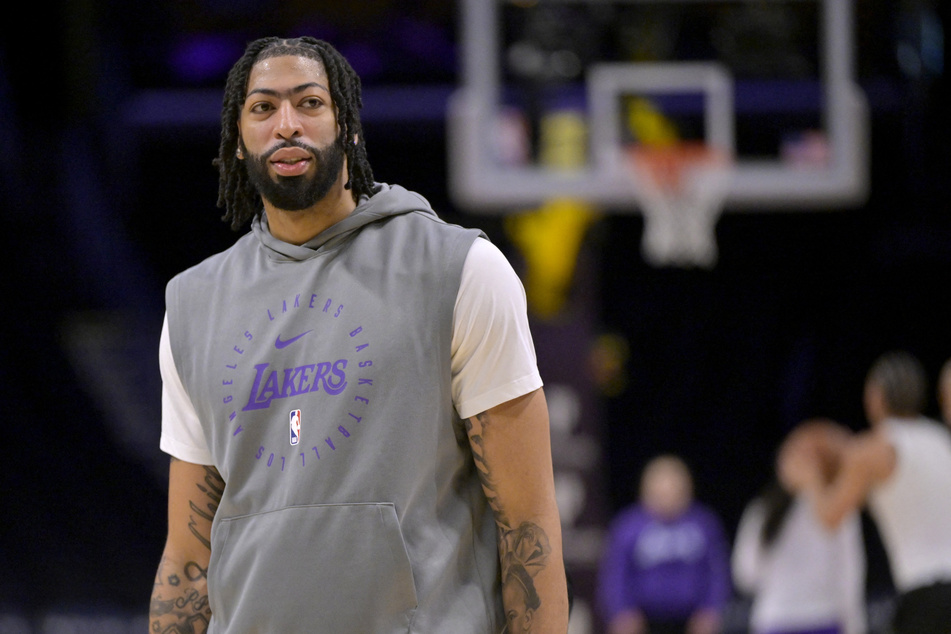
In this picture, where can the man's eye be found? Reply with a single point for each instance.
(262, 106)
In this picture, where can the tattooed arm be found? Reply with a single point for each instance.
(512, 448)
(180, 594)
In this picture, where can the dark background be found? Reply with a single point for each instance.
(108, 190)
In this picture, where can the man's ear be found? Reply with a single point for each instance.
(529, 618)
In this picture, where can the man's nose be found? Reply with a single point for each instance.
(288, 123)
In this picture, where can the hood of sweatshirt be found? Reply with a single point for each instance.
(387, 200)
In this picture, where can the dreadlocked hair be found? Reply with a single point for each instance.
(236, 195)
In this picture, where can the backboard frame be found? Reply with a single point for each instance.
(479, 183)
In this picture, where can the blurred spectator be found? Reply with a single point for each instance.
(802, 577)
(666, 565)
(902, 468)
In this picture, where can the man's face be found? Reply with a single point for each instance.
(288, 132)
(518, 616)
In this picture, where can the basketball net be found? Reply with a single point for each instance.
(681, 188)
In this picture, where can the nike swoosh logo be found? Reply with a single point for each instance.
(283, 344)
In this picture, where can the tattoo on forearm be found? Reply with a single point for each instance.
(523, 550)
(215, 486)
(179, 607)
(180, 594)
(476, 428)
(524, 553)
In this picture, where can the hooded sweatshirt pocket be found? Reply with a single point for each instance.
(316, 568)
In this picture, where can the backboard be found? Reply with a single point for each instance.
(770, 84)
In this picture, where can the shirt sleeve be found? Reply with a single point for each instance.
(747, 555)
(182, 436)
(493, 356)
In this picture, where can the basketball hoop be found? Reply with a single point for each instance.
(680, 189)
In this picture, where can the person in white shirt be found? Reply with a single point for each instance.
(802, 577)
(402, 480)
(901, 468)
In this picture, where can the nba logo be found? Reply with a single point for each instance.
(295, 427)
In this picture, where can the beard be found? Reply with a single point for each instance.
(294, 193)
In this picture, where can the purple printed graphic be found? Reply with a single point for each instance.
(281, 344)
(269, 385)
(253, 372)
(295, 427)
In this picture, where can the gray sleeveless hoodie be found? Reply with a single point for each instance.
(321, 377)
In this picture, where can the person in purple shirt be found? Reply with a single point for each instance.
(666, 566)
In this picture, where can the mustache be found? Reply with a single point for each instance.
(288, 144)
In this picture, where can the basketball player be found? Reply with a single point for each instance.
(801, 577)
(358, 431)
(902, 468)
